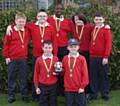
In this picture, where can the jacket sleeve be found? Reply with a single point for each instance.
(36, 74)
(6, 44)
(85, 79)
(108, 43)
(54, 39)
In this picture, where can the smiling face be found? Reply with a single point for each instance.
(73, 49)
(78, 22)
(20, 22)
(47, 48)
(59, 10)
(99, 20)
(42, 17)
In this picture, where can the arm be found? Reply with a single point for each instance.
(6, 44)
(84, 72)
(36, 76)
(54, 39)
(108, 46)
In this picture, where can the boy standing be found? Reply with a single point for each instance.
(44, 79)
(75, 75)
(15, 50)
(100, 47)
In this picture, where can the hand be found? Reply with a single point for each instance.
(105, 61)
(7, 60)
(9, 30)
(80, 90)
(38, 91)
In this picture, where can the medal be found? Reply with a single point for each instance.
(73, 65)
(48, 75)
(42, 31)
(21, 38)
(46, 67)
(42, 41)
(57, 34)
(57, 24)
(95, 33)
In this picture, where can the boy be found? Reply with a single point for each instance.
(44, 79)
(75, 75)
(100, 47)
(40, 30)
(15, 51)
(62, 28)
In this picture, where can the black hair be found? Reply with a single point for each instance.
(49, 42)
(81, 17)
(98, 14)
(42, 10)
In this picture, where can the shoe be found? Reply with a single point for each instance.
(11, 100)
(105, 97)
(35, 99)
(25, 99)
(92, 97)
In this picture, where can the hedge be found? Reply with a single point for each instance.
(7, 17)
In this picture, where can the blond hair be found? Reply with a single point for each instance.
(20, 15)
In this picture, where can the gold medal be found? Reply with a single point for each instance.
(57, 24)
(57, 34)
(73, 65)
(22, 38)
(48, 69)
(22, 46)
(42, 41)
(48, 75)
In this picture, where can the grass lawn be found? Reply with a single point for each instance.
(114, 101)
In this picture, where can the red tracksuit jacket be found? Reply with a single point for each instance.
(103, 43)
(86, 36)
(40, 73)
(79, 77)
(36, 38)
(64, 29)
(12, 47)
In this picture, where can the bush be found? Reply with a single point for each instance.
(7, 17)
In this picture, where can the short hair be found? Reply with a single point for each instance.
(20, 15)
(81, 17)
(98, 14)
(59, 4)
(42, 10)
(49, 42)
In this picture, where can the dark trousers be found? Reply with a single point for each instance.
(86, 55)
(75, 98)
(34, 95)
(14, 66)
(48, 95)
(98, 76)
(62, 51)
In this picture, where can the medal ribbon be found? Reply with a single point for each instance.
(73, 65)
(42, 31)
(57, 24)
(21, 37)
(48, 69)
(95, 33)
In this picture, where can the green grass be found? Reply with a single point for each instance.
(114, 101)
